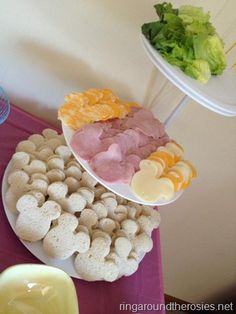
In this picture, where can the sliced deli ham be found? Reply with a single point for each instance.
(144, 121)
(134, 160)
(108, 165)
(86, 142)
(115, 147)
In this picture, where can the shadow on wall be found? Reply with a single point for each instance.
(68, 69)
(105, 13)
(36, 109)
(67, 73)
(64, 16)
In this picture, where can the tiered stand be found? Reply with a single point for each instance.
(218, 95)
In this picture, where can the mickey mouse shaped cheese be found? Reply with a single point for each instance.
(147, 185)
(33, 222)
(93, 264)
(62, 241)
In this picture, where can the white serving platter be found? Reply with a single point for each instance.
(36, 248)
(218, 95)
(121, 189)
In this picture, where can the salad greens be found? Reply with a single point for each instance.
(186, 38)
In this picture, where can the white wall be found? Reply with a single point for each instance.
(50, 48)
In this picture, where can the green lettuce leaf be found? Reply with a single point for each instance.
(186, 38)
(162, 8)
(210, 49)
(199, 70)
(190, 14)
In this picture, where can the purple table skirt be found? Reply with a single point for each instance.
(144, 287)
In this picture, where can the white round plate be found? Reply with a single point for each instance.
(36, 248)
(218, 95)
(121, 189)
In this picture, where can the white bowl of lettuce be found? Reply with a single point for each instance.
(186, 38)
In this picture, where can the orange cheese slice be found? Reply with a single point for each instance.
(108, 95)
(164, 189)
(157, 166)
(186, 173)
(91, 106)
(177, 144)
(177, 174)
(147, 184)
(167, 157)
(176, 149)
(158, 159)
(76, 98)
(174, 180)
(185, 185)
(193, 169)
(93, 97)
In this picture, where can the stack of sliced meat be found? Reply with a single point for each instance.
(114, 148)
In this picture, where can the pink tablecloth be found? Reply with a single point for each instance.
(144, 287)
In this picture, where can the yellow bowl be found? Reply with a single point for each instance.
(37, 289)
